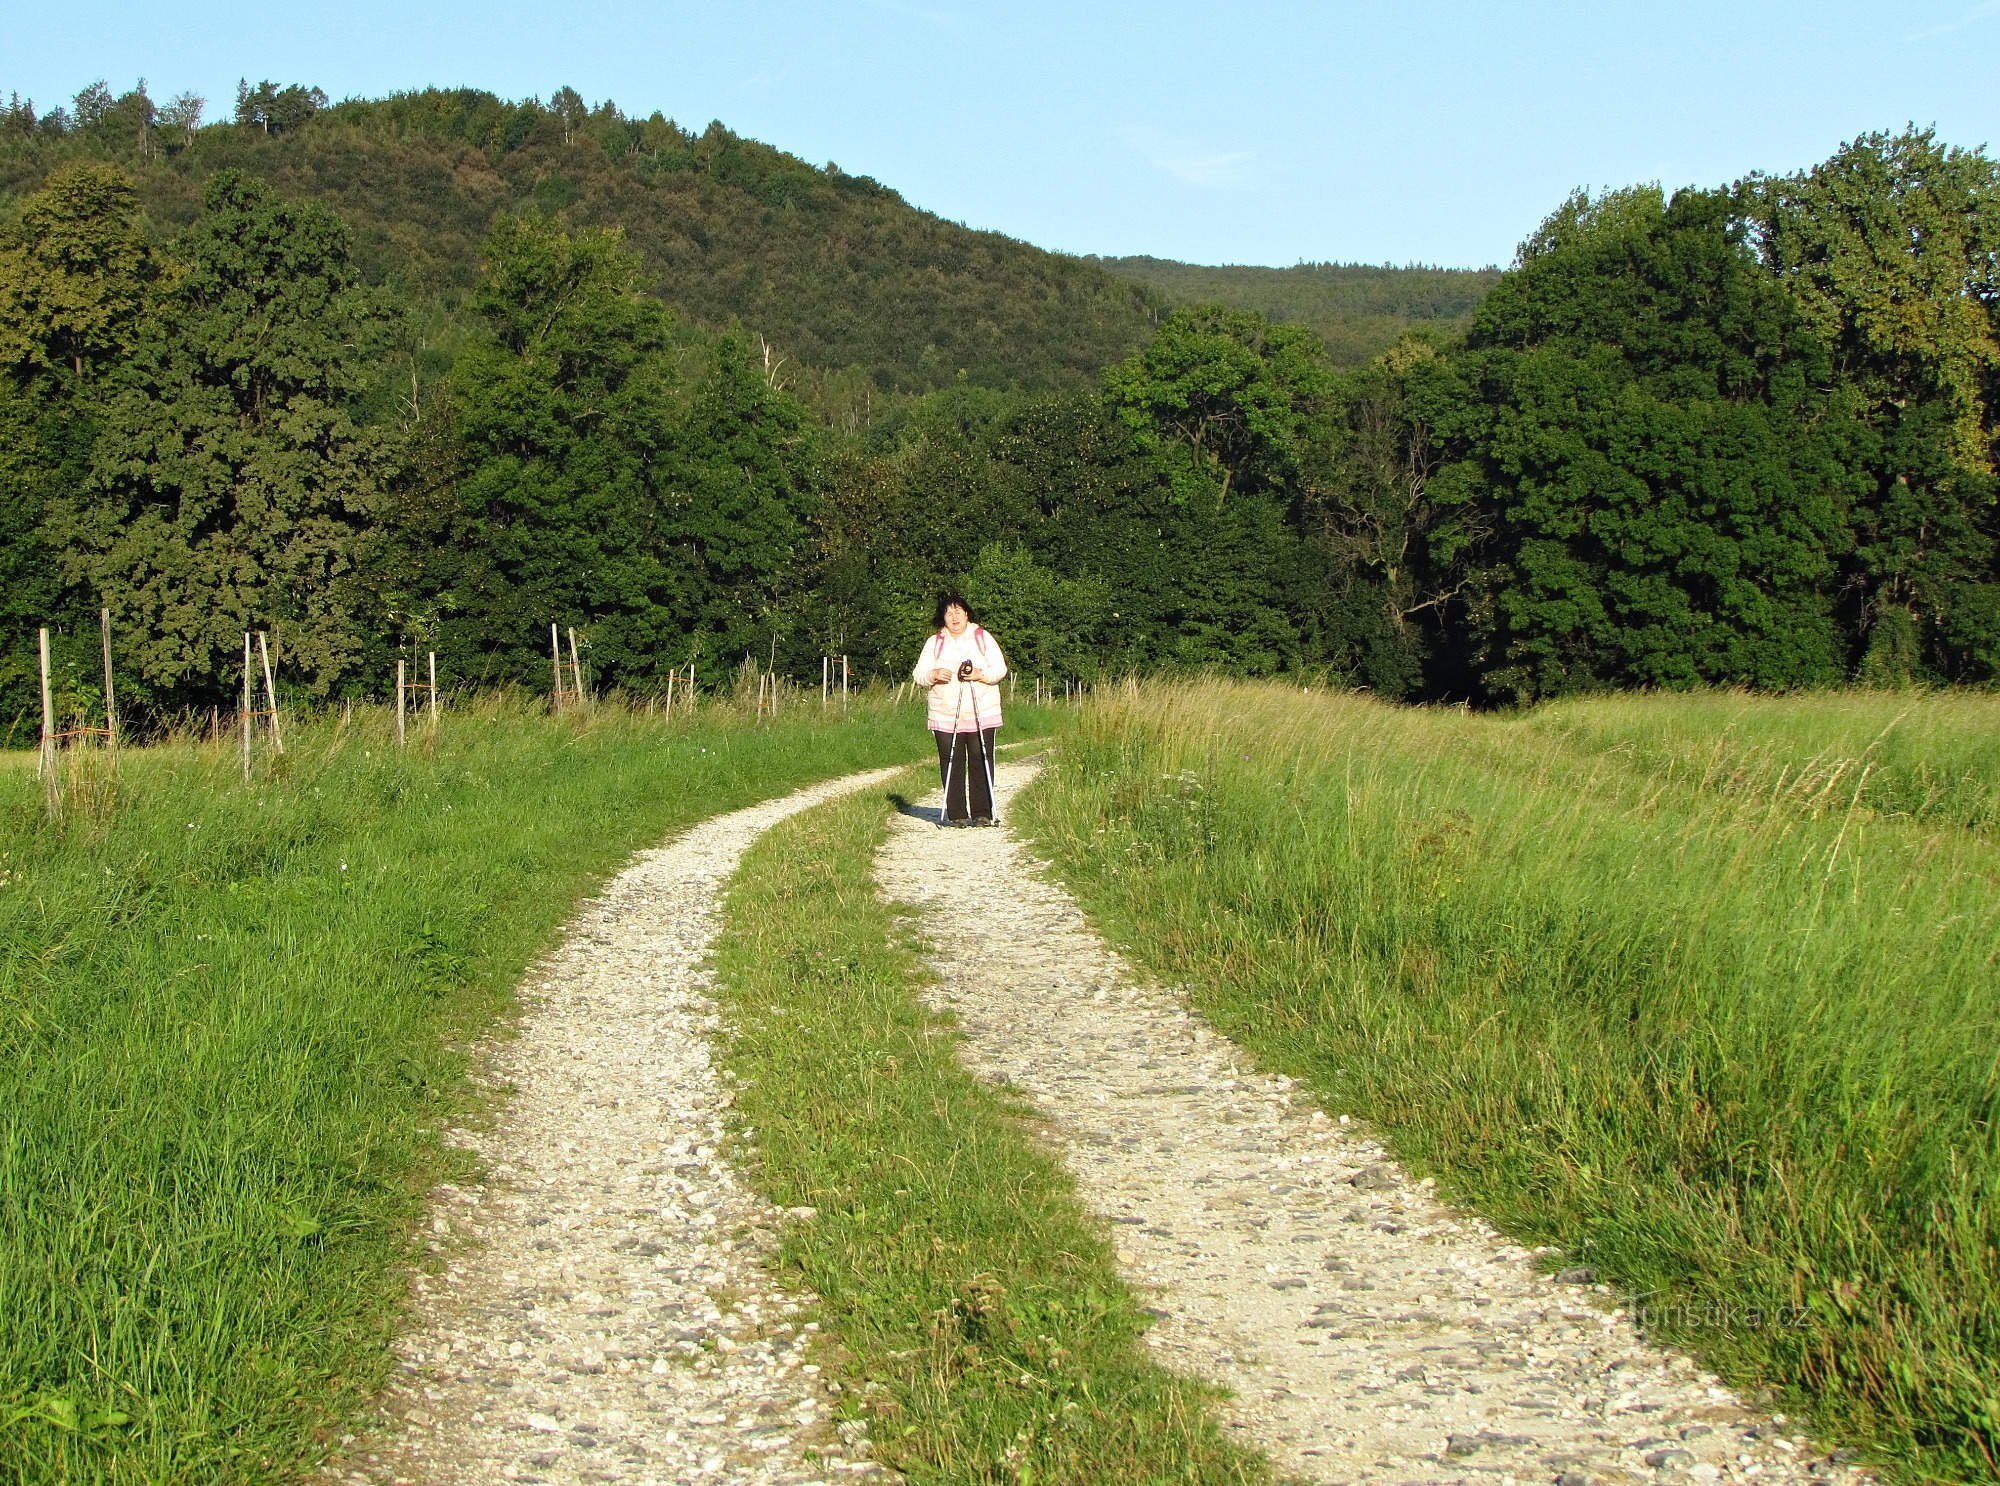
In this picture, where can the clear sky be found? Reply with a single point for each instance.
(1268, 131)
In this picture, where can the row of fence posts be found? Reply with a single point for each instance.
(1073, 691)
(826, 682)
(405, 687)
(568, 693)
(53, 740)
(269, 710)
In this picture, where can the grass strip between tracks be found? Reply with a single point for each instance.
(986, 1334)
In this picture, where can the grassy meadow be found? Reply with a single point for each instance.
(234, 1018)
(1704, 990)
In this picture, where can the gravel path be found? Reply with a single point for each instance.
(1367, 1332)
(603, 1312)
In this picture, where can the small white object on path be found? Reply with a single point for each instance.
(1365, 1331)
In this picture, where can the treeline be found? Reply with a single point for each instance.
(1358, 309)
(1742, 435)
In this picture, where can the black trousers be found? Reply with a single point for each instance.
(963, 759)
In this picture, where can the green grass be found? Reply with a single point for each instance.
(1621, 981)
(1934, 756)
(986, 1335)
(232, 1023)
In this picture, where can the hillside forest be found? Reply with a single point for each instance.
(437, 370)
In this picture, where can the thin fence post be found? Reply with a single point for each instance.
(433, 655)
(400, 664)
(575, 670)
(270, 693)
(246, 706)
(825, 675)
(843, 684)
(110, 697)
(47, 757)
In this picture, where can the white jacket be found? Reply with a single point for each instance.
(964, 707)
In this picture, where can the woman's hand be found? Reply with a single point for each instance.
(940, 675)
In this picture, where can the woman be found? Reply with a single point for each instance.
(962, 665)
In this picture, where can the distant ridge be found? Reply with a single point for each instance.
(1357, 309)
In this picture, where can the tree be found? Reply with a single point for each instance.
(91, 105)
(1891, 251)
(181, 118)
(1054, 626)
(229, 484)
(568, 107)
(276, 110)
(1390, 551)
(1646, 421)
(1232, 396)
(72, 280)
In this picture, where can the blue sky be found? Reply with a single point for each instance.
(1268, 132)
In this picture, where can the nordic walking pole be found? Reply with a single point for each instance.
(951, 756)
(986, 757)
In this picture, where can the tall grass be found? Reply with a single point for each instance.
(1732, 1040)
(1934, 756)
(233, 1020)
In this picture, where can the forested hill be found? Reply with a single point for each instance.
(836, 270)
(1359, 310)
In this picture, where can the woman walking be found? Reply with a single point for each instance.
(963, 667)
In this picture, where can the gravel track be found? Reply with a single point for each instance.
(603, 1310)
(1365, 1331)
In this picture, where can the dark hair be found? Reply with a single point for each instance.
(945, 600)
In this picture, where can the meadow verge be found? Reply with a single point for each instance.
(233, 1021)
(1732, 1046)
(982, 1327)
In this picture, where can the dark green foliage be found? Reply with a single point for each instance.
(1643, 411)
(1227, 398)
(1891, 249)
(596, 473)
(228, 483)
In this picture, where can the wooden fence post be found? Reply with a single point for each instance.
(246, 705)
(46, 767)
(575, 671)
(110, 698)
(270, 693)
(434, 688)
